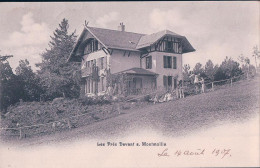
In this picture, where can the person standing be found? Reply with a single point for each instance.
(196, 83)
(202, 85)
(181, 89)
(109, 90)
(177, 91)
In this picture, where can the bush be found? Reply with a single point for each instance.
(147, 98)
(101, 100)
(30, 113)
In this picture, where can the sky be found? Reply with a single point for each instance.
(215, 29)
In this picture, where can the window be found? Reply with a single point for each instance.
(169, 46)
(96, 87)
(102, 84)
(148, 61)
(170, 81)
(86, 86)
(167, 81)
(174, 63)
(93, 62)
(92, 86)
(167, 61)
(170, 62)
(91, 46)
(87, 64)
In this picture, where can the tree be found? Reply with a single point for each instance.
(29, 82)
(186, 73)
(9, 86)
(58, 77)
(210, 70)
(230, 68)
(245, 64)
(198, 69)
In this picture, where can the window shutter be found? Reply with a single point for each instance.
(174, 63)
(175, 83)
(150, 62)
(164, 61)
(96, 45)
(170, 62)
(169, 80)
(180, 48)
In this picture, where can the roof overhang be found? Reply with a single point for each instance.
(187, 47)
(79, 41)
(125, 49)
(137, 71)
(185, 42)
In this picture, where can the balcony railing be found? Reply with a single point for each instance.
(86, 71)
(89, 71)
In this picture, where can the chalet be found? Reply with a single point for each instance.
(152, 61)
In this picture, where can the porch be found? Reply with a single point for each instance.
(134, 81)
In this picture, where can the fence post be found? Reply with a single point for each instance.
(231, 82)
(212, 86)
(20, 133)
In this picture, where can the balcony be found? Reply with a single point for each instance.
(88, 71)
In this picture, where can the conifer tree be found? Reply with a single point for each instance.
(58, 77)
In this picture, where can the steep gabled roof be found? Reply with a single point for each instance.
(147, 40)
(127, 40)
(117, 39)
(150, 39)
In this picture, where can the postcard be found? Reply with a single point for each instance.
(129, 84)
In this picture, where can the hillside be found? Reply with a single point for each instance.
(238, 103)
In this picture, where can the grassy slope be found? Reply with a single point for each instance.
(232, 104)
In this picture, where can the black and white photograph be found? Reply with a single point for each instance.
(129, 84)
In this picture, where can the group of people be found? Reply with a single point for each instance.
(178, 91)
(199, 84)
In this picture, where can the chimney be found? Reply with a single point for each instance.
(121, 27)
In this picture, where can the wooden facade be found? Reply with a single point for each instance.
(167, 44)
